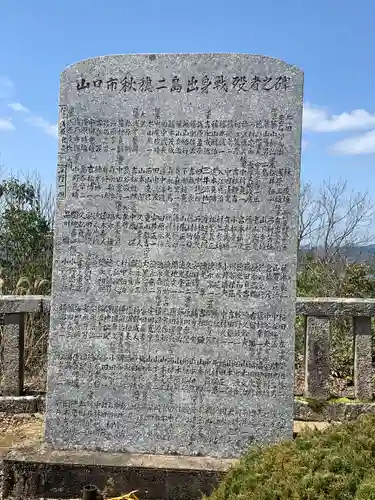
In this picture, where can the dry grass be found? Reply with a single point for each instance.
(36, 344)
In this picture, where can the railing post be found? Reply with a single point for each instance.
(317, 362)
(13, 354)
(362, 357)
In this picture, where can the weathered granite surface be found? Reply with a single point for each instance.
(13, 354)
(363, 371)
(314, 412)
(38, 471)
(317, 360)
(173, 296)
(306, 306)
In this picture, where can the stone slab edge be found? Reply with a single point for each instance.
(319, 412)
(41, 472)
(22, 404)
(11, 304)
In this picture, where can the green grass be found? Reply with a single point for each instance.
(338, 463)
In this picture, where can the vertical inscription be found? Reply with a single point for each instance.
(175, 254)
(61, 180)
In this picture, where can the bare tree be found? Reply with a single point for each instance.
(333, 218)
(308, 215)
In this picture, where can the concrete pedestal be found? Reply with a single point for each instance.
(40, 471)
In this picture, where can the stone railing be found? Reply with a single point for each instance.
(316, 311)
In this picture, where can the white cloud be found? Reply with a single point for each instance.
(6, 124)
(6, 82)
(6, 87)
(319, 120)
(39, 122)
(54, 130)
(304, 144)
(34, 120)
(359, 145)
(17, 106)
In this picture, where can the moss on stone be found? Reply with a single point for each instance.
(315, 403)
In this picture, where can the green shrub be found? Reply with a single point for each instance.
(366, 490)
(338, 463)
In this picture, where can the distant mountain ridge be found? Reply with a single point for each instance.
(361, 253)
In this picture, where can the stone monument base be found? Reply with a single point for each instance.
(42, 472)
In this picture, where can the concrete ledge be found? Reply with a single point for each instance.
(10, 304)
(332, 306)
(21, 404)
(41, 472)
(328, 412)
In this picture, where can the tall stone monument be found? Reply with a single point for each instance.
(173, 297)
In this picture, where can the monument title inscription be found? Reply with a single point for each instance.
(173, 294)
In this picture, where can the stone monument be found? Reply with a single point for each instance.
(173, 297)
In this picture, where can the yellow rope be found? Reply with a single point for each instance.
(128, 496)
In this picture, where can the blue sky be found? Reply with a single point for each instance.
(332, 41)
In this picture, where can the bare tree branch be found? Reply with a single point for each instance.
(333, 218)
(308, 214)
